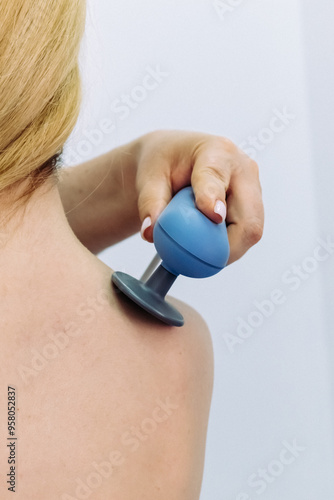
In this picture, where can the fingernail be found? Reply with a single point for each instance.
(146, 223)
(220, 209)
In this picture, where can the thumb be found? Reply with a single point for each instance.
(154, 193)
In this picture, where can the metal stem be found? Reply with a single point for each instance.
(151, 268)
(161, 281)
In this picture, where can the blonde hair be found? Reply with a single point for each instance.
(40, 86)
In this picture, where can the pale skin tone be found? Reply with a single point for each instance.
(137, 180)
(97, 380)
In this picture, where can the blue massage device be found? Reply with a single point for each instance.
(188, 243)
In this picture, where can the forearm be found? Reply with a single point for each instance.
(100, 198)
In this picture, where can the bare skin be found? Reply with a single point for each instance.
(96, 379)
(106, 199)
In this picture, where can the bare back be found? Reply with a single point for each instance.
(109, 403)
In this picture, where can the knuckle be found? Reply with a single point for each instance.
(252, 231)
(254, 167)
(255, 171)
(248, 163)
(226, 144)
(216, 173)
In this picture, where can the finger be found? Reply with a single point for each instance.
(211, 176)
(245, 214)
(154, 193)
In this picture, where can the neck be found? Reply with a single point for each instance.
(36, 241)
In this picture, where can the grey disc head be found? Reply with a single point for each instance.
(147, 299)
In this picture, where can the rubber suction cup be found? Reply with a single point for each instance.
(151, 294)
(188, 244)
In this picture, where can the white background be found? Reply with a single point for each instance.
(227, 72)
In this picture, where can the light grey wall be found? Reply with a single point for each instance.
(229, 68)
(318, 53)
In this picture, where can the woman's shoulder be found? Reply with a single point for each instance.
(106, 393)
